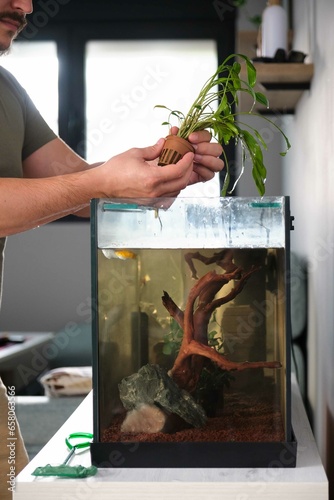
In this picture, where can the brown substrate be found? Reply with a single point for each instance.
(243, 419)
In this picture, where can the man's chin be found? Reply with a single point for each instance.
(5, 48)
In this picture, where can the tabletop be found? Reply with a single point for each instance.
(307, 481)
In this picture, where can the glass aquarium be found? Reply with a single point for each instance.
(191, 333)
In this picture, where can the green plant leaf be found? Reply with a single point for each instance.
(212, 334)
(178, 114)
(223, 105)
(236, 67)
(260, 138)
(251, 73)
(251, 144)
(262, 99)
(259, 171)
(259, 182)
(167, 349)
(231, 128)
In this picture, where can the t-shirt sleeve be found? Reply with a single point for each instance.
(37, 131)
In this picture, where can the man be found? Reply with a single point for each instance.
(42, 196)
(42, 179)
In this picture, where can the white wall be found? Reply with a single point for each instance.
(309, 180)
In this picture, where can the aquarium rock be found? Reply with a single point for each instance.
(152, 385)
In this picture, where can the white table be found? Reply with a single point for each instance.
(307, 481)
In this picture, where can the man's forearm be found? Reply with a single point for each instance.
(28, 203)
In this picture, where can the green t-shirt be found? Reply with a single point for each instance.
(22, 131)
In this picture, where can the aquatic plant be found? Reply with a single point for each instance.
(225, 122)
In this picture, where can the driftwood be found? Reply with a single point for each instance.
(194, 321)
(223, 259)
(153, 397)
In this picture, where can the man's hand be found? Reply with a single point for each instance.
(136, 174)
(206, 159)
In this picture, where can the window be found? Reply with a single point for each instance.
(35, 65)
(126, 79)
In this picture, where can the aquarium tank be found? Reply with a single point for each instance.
(191, 332)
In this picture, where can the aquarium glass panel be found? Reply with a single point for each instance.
(191, 320)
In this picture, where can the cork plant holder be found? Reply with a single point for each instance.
(174, 149)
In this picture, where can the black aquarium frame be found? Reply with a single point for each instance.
(194, 455)
(222, 454)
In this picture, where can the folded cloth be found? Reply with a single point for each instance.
(67, 381)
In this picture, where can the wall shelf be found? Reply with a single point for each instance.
(282, 83)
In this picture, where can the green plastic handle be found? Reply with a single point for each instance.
(76, 435)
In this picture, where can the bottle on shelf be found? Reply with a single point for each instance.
(274, 29)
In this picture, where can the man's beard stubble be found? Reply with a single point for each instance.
(5, 49)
